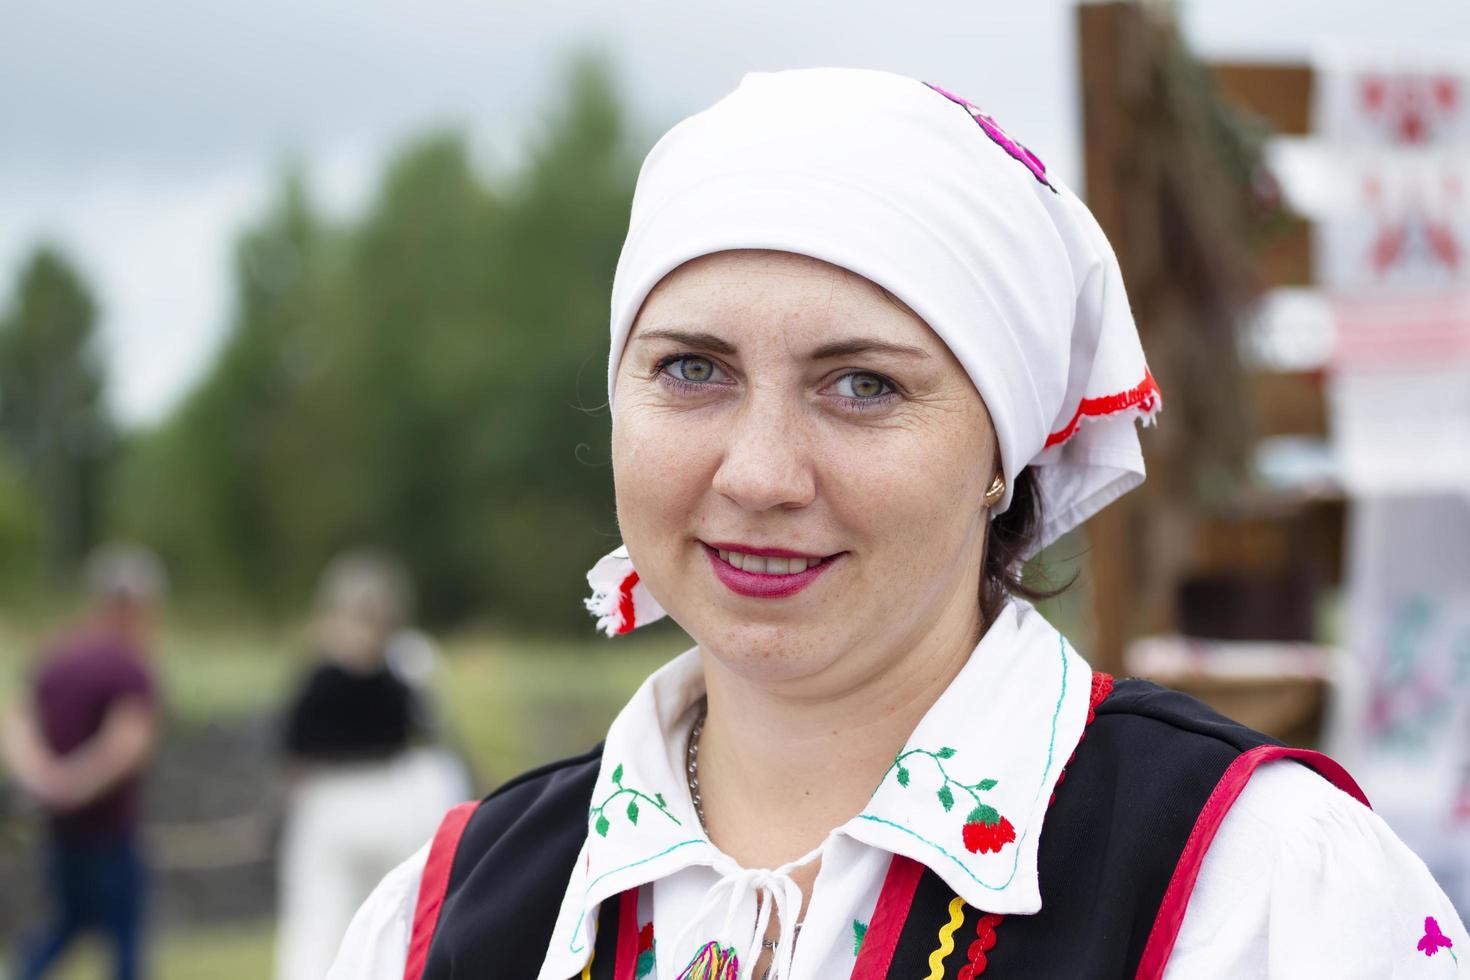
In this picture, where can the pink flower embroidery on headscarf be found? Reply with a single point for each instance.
(1434, 940)
(1000, 136)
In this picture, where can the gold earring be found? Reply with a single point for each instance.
(997, 490)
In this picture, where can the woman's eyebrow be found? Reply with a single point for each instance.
(706, 341)
(837, 348)
(864, 345)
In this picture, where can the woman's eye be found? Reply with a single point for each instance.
(691, 369)
(862, 386)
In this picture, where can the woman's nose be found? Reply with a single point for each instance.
(766, 462)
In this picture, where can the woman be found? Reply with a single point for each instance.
(365, 780)
(867, 355)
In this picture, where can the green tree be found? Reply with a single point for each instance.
(426, 277)
(20, 532)
(547, 510)
(410, 380)
(53, 421)
(200, 486)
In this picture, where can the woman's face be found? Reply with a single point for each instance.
(771, 405)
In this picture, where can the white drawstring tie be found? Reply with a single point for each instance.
(771, 888)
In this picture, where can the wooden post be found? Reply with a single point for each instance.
(1116, 45)
(1106, 34)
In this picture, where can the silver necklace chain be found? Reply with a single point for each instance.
(692, 766)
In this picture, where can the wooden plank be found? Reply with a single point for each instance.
(1280, 94)
(1244, 544)
(1288, 403)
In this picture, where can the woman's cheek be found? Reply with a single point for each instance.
(883, 469)
(654, 464)
(915, 491)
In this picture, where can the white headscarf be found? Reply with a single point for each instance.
(922, 193)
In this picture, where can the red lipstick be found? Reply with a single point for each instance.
(759, 585)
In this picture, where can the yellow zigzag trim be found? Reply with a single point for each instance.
(946, 939)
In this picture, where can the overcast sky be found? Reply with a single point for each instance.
(140, 136)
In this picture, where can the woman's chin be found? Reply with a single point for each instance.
(770, 652)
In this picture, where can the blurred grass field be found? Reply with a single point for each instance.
(241, 952)
(509, 703)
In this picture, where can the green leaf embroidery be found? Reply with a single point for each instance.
(859, 930)
(645, 963)
(983, 814)
(600, 814)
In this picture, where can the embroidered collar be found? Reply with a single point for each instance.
(966, 796)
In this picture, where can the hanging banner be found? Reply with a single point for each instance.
(1400, 221)
(1402, 705)
(1396, 136)
(1392, 253)
(1370, 100)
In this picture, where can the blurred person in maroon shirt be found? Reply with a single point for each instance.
(78, 747)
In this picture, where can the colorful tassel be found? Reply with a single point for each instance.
(713, 962)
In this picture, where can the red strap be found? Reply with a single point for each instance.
(1181, 883)
(889, 915)
(625, 962)
(433, 885)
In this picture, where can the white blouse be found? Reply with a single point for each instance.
(1300, 881)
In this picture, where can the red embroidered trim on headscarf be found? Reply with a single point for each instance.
(625, 604)
(1143, 397)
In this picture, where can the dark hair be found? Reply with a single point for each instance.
(1012, 535)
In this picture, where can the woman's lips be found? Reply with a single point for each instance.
(761, 585)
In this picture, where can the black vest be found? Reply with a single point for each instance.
(1110, 842)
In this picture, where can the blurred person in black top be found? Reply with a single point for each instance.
(366, 781)
(78, 747)
(351, 714)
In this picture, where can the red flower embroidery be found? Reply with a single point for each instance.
(986, 831)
